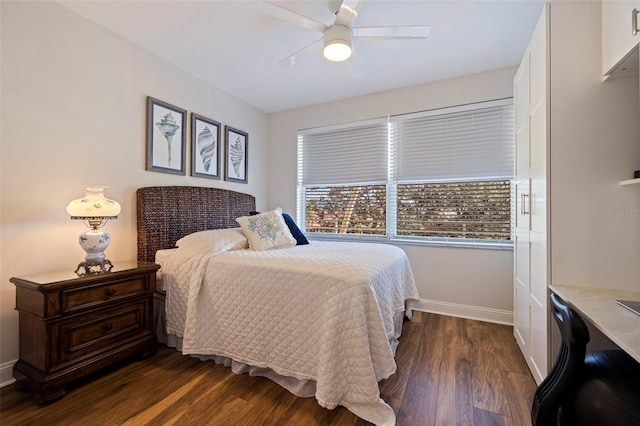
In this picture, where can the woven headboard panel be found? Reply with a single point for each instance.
(168, 213)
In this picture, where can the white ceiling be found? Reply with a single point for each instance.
(236, 47)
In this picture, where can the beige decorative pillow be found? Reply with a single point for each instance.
(266, 230)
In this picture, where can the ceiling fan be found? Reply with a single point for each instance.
(338, 37)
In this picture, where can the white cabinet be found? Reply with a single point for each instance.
(620, 37)
(531, 88)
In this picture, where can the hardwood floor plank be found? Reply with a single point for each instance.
(520, 389)
(394, 386)
(149, 414)
(464, 399)
(450, 371)
(487, 418)
(488, 393)
(120, 406)
(455, 373)
(226, 411)
(419, 404)
(510, 354)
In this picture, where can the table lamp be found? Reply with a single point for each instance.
(95, 209)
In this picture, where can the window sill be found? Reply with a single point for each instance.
(453, 244)
(347, 237)
(413, 242)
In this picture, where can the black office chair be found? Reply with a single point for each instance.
(601, 389)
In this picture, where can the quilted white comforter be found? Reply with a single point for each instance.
(321, 312)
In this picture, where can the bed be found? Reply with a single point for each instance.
(321, 319)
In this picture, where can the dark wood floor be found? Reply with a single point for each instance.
(451, 371)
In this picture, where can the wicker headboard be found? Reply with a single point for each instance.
(167, 213)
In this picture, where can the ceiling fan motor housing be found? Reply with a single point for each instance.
(337, 42)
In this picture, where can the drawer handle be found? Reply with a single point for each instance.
(634, 21)
(108, 326)
(111, 292)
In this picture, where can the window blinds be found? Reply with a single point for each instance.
(458, 145)
(347, 155)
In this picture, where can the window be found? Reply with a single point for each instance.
(440, 176)
(465, 210)
(342, 179)
(349, 209)
(454, 172)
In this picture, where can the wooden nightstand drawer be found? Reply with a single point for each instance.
(78, 298)
(89, 334)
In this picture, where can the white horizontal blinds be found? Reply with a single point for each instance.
(354, 154)
(462, 145)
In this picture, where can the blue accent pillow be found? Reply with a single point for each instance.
(293, 228)
(295, 231)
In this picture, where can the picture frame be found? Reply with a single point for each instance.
(166, 137)
(236, 150)
(205, 147)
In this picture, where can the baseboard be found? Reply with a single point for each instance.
(6, 373)
(479, 313)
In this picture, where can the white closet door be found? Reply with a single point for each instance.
(531, 246)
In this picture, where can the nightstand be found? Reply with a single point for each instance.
(71, 325)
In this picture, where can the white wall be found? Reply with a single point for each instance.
(472, 282)
(73, 114)
(595, 223)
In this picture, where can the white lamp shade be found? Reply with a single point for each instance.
(337, 43)
(94, 205)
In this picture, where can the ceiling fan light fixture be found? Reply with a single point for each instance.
(337, 43)
(337, 51)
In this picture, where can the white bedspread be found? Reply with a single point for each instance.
(321, 312)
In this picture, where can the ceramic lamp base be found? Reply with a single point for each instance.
(94, 242)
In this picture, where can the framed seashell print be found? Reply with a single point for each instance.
(166, 137)
(205, 147)
(235, 160)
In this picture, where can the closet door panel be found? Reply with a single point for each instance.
(538, 171)
(538, 350)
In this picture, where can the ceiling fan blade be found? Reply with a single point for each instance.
(356, 67)
(287, 15)
(381, 33)
(348, 12)
(353, 4)
(292, 59)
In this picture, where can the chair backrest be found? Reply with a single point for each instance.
(566, 372)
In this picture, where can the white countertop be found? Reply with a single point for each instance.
(599, 307)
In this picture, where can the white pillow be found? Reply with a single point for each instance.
(215, 240)
(266, 230)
